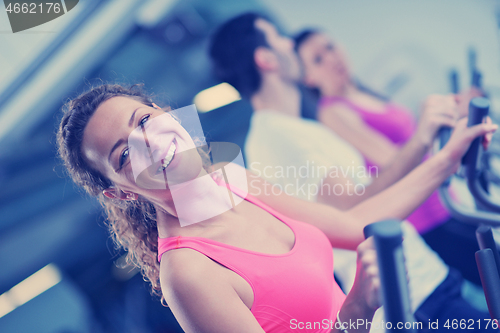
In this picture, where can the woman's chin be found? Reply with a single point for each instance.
(185, 166)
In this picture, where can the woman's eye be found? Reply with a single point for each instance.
(317, 59)
(144, 120)
(123, 157)
(330, 47)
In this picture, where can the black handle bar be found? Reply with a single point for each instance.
(475, 74)
(478, 110)
(395, 294)
(490, 281)
(454, 85)
(485, 239)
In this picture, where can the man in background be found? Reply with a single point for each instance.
(249, 53)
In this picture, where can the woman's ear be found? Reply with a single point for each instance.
(114, 193)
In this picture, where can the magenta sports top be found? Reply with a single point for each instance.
(295, 291)
(398, 125)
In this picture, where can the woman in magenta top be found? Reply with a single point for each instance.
(249, 268)
(373, 126)
(260, 262)
(378, 129)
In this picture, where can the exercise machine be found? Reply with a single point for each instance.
(486, 213)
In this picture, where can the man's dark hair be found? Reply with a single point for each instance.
(232, 51)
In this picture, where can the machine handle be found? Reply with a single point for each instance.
(478, 110)
(485, 239)
(388, 239)
(490, 281)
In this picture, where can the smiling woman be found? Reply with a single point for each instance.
(164, 200)
(96, 151)
(225, 263)
(132, 223)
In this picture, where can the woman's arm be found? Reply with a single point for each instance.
(438, 111)
(344, 228)
(348, 125)
(200, 297)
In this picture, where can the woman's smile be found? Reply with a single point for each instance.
(165, 162)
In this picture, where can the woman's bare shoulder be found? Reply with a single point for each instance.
(201, 296)
(184, 265)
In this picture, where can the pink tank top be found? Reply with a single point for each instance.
(295, 291)
(398, 125)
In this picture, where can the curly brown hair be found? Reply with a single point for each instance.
(132, 224)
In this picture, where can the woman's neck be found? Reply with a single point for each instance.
(344, 91)
(195, 203)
